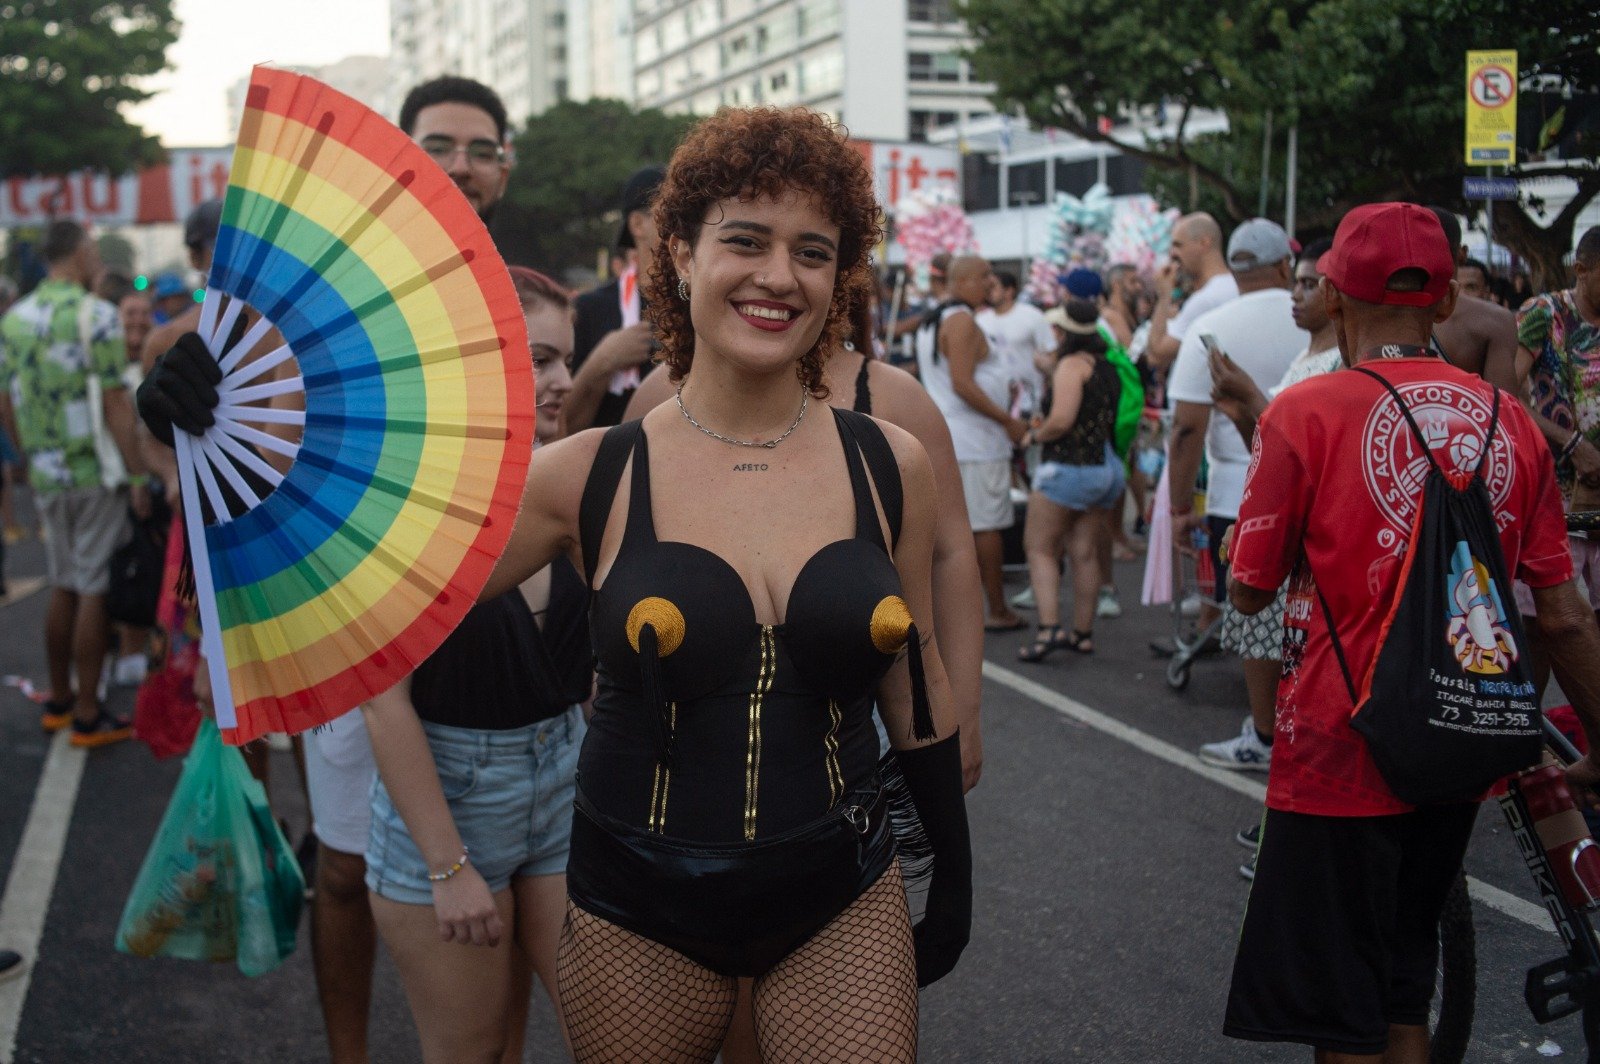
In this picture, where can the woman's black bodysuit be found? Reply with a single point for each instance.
(729, 804)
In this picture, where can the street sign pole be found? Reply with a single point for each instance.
(1491, 128)
(1488, 216)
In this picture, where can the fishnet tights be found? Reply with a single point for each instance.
(848, 996)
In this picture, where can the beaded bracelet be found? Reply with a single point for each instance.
(440, 877)
(1571, 444)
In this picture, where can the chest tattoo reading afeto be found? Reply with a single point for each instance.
(750, 467)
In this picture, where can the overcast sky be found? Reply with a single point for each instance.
(222, 39)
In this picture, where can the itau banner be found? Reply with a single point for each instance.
(164, 193)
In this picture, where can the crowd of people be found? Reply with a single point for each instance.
(652, 768)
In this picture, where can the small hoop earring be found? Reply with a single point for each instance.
(683, 290)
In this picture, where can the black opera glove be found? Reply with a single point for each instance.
(181, 390)
(933, 775)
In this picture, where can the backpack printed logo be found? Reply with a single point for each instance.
(1479, 636)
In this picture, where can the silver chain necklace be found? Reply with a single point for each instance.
(769, 445)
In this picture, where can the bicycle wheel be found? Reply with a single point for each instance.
(1458, 977)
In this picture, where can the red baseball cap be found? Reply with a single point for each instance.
(1377, 240)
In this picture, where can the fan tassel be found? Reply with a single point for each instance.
(650, 681)
(922, 727)
(183, 587)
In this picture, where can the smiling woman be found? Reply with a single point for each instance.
(737, 178)
(730, 822)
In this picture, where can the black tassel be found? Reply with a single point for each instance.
(650, 682)
(184, 587)
(922, 727)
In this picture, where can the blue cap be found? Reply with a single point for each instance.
(170, 284)
(1085, 284)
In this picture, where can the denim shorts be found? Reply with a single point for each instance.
(1082, 488)
(510, 794)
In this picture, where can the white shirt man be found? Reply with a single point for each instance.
(1018, 336)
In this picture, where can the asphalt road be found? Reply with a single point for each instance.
(1107, 891)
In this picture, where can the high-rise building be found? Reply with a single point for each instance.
(600, 49)
(517, 47)
(890, 70)
(367, 78)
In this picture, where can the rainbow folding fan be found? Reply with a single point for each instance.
(326, 584)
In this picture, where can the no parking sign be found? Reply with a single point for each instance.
(1491, 108)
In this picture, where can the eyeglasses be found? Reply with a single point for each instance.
(443, 151)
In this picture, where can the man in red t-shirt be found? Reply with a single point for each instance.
(1340, 940)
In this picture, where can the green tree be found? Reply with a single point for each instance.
(1375, 87)
(67, 69)
(562, 209)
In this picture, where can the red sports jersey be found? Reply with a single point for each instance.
(1337, 473)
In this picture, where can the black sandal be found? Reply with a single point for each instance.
(1079, 642)
(1044, 643)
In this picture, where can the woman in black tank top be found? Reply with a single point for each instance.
(760, 567)
(476, 754)
(1079, 478)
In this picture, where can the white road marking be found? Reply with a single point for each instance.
(33, 876)
(1495, 898)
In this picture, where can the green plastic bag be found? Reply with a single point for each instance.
(220, 882)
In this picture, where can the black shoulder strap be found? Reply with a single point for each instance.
(881, 464)
(600, 490)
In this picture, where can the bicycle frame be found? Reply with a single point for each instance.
(1571, 983)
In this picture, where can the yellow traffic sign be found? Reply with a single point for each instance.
(1491, 108)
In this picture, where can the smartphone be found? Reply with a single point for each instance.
(1209, 342)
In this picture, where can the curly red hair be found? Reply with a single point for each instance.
(753, 152)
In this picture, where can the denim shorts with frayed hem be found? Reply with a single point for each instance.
(510, 794)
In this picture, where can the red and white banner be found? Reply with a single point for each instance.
(901, 169)
(164, 193)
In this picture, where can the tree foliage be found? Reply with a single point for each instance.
(1377, 88)
(67, 68)
(562, 209)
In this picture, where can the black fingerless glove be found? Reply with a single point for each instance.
(181, 390)
(933, 775)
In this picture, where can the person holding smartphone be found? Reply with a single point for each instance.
(1258, 333)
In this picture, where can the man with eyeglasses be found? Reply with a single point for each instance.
(461, 124)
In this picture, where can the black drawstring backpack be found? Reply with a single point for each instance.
(1447, 707)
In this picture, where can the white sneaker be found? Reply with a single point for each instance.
(1107, 605)
(1023, 600)
(1245, 753)
(1190, 607)
(130, 671)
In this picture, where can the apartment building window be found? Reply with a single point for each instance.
(924, 121)
(818, 17)
(822, 72)
(936, 11)
(933, 66)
